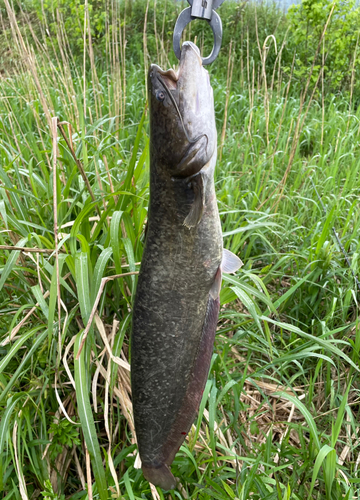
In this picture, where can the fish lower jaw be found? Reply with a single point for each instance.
(159, 476)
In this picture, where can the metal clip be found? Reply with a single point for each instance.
(200, 9)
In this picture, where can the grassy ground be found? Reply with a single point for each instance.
(279, 416)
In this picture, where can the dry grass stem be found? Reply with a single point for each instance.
(96, 303)
(88, 474)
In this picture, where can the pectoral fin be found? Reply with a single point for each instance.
(197, 208)
(230, 262)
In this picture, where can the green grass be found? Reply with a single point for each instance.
(279, 415)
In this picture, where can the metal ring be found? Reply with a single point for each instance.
(215, 23)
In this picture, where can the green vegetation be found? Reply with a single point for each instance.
(280, 412)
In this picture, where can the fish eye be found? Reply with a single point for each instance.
(160, 96)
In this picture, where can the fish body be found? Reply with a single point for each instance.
(176, 305)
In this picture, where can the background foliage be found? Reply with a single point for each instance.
(247, 25)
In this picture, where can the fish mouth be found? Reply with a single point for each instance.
(171, 76)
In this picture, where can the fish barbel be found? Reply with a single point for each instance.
(177, 303)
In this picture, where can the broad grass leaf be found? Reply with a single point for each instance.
(350, 494)
(329, 471)
(291, 290)
(5, 427)
(128, 485)
(212, 421)
(15, 347)
(3, 213)
(228, 490)
(11, 261)
(132, 162)
(19, 228)
(225, 390)
(54, 295)
(140, 163)
(14, 378)
(17, 316)
(40, 299)
(201, 411)
(227, 295)
(307, 415)
(302, 354)
(259, 282)
(100, 225)
(287, 493)
(326, 230)
(191, 457)
(99, 272)
(28, 224)
(70, 262)
(18, 205)
(250, 227)
(87, 420)
(88, 209)
(326, 344)
(82, 285)
(130, 259)
(129, 227)
(340, 416)
(250, 306)
(244, 495)
(323, 452)
(115, 239)
(249, 290)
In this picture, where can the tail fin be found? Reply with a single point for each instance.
(160, 476)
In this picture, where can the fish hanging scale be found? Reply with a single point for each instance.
(200, 9)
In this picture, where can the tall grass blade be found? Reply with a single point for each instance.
(87, 421)
(305, 412)
(321, 456)
(14, 379)
(4, 429)
(18, 344)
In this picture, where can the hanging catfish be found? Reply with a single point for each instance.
(177, 299)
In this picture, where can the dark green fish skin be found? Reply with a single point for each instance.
(176, 304)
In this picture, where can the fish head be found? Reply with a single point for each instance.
(182, 121)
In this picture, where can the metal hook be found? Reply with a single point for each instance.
(200, 9)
